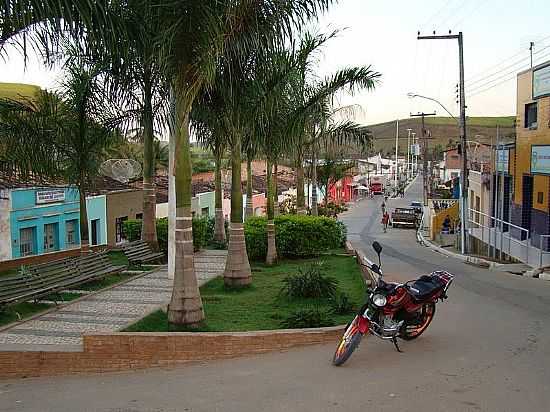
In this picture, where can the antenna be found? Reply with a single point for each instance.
(121, 169)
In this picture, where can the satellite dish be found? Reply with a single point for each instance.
(121, 169)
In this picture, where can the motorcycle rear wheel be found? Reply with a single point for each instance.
(409, 332)
(349, 342)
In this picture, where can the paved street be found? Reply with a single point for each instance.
(488, 349)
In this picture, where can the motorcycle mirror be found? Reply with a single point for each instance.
(377, 247)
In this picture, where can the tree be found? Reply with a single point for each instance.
(191, 37)
(62, 135)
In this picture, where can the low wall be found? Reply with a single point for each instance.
(110, 352)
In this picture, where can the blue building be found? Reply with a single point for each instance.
(38, 220)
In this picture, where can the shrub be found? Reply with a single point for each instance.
(307, 318)
(203, 232)
(341, 304)
(296, 236)
(331, 209)
(309, 283)
(343, 233)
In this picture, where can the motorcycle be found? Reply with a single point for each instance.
(394, 310)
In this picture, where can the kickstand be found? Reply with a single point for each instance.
(394, 340)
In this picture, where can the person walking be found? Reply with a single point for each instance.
(385, 221)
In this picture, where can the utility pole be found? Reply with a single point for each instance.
(414, 155)
(396, 153)
(531, 47)
(408, 153)
(424, 154)
(462, 126)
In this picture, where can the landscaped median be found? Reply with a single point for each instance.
(236, 319)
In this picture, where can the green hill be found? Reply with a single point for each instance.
(442, 129)
(15, 91)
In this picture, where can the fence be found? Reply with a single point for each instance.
(542, 251)
(491, 231)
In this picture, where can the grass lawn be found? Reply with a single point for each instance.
(24, 309)
(259, 306)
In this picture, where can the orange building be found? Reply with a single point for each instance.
(529, 164)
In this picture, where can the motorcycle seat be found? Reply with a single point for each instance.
(424, 287)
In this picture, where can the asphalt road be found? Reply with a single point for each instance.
(488, 349)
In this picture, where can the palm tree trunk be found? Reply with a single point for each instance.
(314, 210)
(249, 211)
(185, 307)
(271, 256)
(219, 221)
(149, 226)
(237, 268)
(84, 231)
(275, 190)
(300, 198)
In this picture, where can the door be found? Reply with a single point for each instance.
(50, 237)
(95, 232)
(526, 205)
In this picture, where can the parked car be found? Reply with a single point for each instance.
(418, 208)
(404, 216)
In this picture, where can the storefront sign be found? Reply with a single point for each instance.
(540, 159)
(503, 160)
(50, 196)
(541, 82)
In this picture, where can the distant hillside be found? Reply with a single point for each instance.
(443, 129)
(15, 91)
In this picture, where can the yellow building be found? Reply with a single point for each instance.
(529, 163)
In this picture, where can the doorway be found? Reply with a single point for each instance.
(526, 204)
(95, 232)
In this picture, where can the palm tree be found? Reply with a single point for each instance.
(61, 136)
(191, 37)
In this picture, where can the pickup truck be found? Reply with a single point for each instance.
(402, 216)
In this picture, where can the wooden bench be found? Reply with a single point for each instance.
(36, 281)
(140, 252)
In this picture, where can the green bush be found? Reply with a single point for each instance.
(203, 232)
(341, 304)
(295, 235)
(331, 209)
(309, 283)
(307, 318)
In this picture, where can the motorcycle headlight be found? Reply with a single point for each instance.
(379, 300)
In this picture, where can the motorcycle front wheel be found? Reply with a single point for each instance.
(413, 331)
(349, 342)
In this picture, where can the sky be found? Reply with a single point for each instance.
(383, 34)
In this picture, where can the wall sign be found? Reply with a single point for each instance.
(540, 159)
(541, 82)
(503, 160)
(50, 196)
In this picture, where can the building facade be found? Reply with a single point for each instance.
(531, 163)
(39, 220)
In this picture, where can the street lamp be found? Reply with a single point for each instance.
(411, 95)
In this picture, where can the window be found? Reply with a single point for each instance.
(204, 211)
(139, 216)
(50, 237)
(72, 238)
(540, 197)
(531, 116)
(26, 241)
(119, 229)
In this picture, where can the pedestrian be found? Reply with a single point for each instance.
(385, 221)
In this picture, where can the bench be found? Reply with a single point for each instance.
(139, 252)
(36, 281)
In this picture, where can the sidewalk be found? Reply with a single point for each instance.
(107, 311)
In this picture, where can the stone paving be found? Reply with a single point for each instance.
(110, 310)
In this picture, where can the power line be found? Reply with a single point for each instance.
(433, 16)
(474, 9)
(514, 71)
(503, 61)
(513, 74)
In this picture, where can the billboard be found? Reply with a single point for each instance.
(540, 159)
(541, 82)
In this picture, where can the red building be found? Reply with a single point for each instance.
(342, 191)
